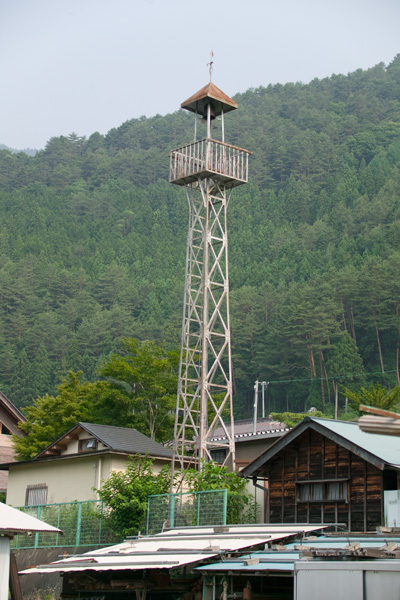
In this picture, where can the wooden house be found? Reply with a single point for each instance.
(251, 440)
(10, 416)
(326, 471)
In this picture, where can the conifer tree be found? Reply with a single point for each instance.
(22, 389)
(345, 366)
(42, 370)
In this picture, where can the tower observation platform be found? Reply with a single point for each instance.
(209, 158)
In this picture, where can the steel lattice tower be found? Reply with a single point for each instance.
(208, 170)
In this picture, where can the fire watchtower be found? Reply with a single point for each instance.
(209, 158)
(208, 169)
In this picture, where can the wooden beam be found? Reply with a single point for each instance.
(15, 585)
(70, 437)
(59, 447)
(365, 496)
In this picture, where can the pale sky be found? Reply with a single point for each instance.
(89, 65)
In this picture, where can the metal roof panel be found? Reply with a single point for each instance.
(384, 447)
(174, 548)
(16, 521)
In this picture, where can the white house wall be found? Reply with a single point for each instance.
(67, 480)
(246, 452)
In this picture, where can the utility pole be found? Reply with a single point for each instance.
(208, 169)
(255, 406)
(263, 386)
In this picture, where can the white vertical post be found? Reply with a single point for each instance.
(255, 406)
(263, 385)
(4, 566)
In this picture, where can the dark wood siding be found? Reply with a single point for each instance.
(313, 457)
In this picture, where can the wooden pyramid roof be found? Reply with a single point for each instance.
(209, 93)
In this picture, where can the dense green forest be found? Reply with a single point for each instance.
(93, 242)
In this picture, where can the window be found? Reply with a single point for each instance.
(87, 445)
(4, 430)
(36, 494)
(218, 455)
(322, 491)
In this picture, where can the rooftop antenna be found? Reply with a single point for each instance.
(208, 169)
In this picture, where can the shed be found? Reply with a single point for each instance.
(12, 522)
(161, 566)
(328, 471)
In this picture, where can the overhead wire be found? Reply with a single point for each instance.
(347, 376)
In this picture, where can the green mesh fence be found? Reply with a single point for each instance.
(165, 511)
(83, 524)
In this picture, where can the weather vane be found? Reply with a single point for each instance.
(210, 64)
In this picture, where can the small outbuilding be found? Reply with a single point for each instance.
(161, 566)
(12, 522)
(327, 471)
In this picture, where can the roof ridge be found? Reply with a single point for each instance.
(85, 423)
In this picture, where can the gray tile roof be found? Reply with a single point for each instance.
(126, 439)
(117, 439)
(244, 429)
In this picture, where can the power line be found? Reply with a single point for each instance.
(331, 377)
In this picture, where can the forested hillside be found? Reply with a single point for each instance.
(93, 244)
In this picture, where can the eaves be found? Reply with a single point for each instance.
(76, 456)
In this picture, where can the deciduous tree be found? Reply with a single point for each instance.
(147, 375)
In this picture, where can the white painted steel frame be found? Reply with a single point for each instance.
(204, 400)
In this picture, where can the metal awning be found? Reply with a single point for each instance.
(13, 521)
(117, 563)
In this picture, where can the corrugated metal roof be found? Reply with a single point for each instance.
(384, 447)
(380, 450)
(285, 560)
(112, 563)
(174, 548)
(340, 542)
(241, 566)
(16, 521)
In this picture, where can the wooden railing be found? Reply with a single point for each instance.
(207, 158)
